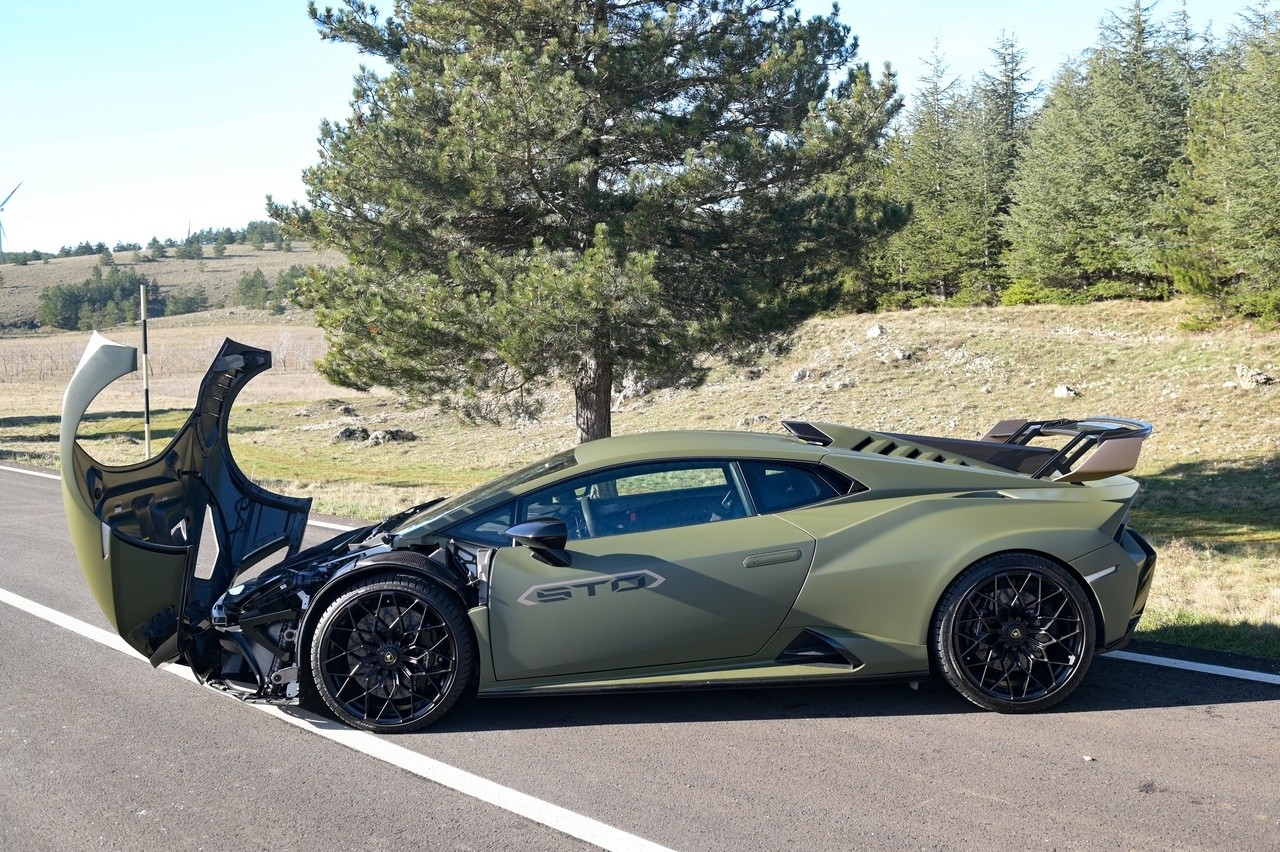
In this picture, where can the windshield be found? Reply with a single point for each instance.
(441, 512)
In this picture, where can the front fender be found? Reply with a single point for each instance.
(409, 562)
(137, 528)
(136, 583)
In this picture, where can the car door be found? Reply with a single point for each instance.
(667, 566)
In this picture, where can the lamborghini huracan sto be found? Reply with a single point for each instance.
(647, 561)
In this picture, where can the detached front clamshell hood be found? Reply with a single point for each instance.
(137, 528)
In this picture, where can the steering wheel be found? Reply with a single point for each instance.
(588, 517)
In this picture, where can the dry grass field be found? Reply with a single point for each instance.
(1211, 473)
(20, 286)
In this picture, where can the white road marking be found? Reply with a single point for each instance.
(1203, 668)
(552, 816)
(325, 525)
(39, 473)
(67, 622)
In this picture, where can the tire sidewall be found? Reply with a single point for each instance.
(439, 599)
(942, 647)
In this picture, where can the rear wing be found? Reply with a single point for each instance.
(1094, 448)
(1115, 443)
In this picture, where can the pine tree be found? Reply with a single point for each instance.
(999, 122)
(1225, 199)
(1087, 201)
(586, 191)
(930, 254)
(952, 160)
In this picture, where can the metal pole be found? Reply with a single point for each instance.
(146, 387)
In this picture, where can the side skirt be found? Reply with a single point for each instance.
(711, 680)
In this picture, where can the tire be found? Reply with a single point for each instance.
(1014, 633)
(392, 654)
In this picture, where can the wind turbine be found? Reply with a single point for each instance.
(2, 204)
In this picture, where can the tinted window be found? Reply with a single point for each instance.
(777, 486)
(437, 513)
(486, 528)
(640, 498)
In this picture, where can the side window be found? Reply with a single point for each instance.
(640, 498)
(660, 480)
(778, 486)
(487, 527)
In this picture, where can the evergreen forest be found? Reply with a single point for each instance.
(1145, 169)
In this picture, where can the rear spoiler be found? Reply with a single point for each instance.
(1117, 441)
(1096, 448)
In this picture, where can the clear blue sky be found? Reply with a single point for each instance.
(139, 118)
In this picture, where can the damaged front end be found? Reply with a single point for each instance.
(258, 622)
(137, 533)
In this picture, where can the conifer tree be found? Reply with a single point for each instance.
(1225, 200)
(1000, 117)
(585, 190)
(930, 254)
(952, 161)
(1087, 201)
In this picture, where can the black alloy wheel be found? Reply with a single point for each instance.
(1014, 633)
(392, 654)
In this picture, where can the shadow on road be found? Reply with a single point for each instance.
(1112, 685)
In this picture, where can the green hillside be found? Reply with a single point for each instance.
(20, 286)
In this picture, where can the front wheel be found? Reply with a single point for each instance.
(392, 654)
(1014, 633)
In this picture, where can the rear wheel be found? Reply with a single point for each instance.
(392, 654)
(1014, 633)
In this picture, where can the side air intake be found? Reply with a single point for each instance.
(814, 649)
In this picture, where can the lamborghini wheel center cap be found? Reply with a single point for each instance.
(1014, 634)
(389, 655)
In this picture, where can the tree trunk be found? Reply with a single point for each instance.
(593, 395)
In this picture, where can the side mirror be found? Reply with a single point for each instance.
(546, 537)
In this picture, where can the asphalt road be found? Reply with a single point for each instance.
(97, 750)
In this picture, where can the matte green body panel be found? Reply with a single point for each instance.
(883, 564)
(1114, 592)
(146, 585)
(611, 609)
(691, 444)
(762, 672)
(103, 363)
(479, 618)
(878, 658)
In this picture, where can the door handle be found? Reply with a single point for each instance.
(776, 557)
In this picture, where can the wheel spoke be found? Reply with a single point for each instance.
(1017, 635)
(387, 657)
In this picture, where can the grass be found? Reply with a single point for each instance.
(1224, 596)
(1211, 473)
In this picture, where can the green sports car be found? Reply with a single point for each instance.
(647, 561)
